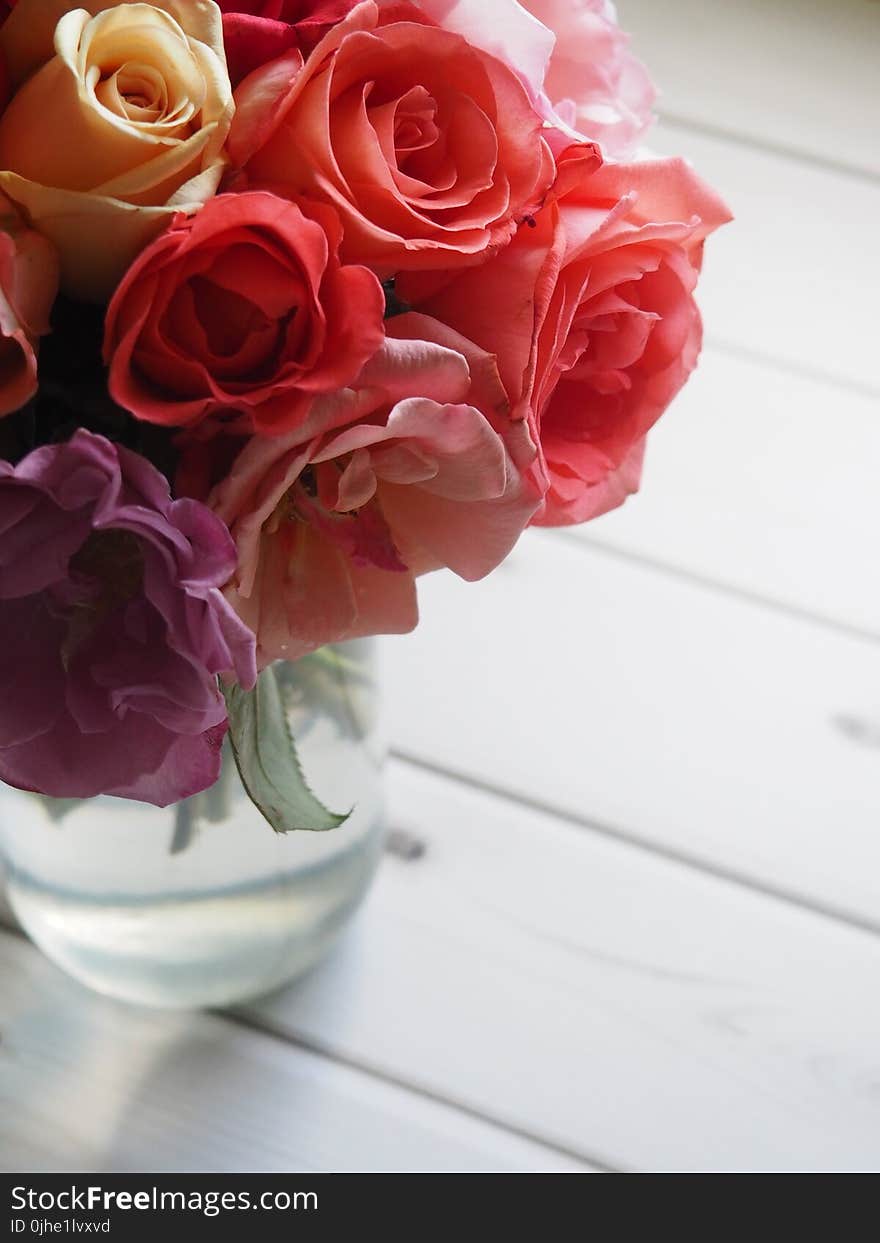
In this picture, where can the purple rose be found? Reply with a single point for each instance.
(113, 628)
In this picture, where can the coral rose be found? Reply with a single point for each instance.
(118, 122)
(427, 147)
(332, 528)
(112, 628)
(605, 330)
(243, 308)
(28, 285)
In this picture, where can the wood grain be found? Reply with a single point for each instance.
(701, 724)
(619, 1004)
(89, 1085)
(745, 485)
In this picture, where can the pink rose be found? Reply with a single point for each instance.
(598, 89)
(332, 528)
(572, 58)
(242, 309)
(28, 286)
(427, 147)
(603, 329)
(257, 31)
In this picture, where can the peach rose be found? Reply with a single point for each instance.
(426, 146)
(332, 527)
(28, 286)
(117, 122)
(603, 328)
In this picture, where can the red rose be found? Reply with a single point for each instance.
(257, 31)
(243, 308)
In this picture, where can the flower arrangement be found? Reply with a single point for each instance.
(301, 300)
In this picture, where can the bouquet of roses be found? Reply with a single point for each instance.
(300, 300)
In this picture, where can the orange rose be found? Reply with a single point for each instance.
(118, 121)
(426, 146)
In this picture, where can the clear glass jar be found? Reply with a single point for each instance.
(202, 904)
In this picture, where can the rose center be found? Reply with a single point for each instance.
(142, 72)
(362, 533)
(406, 127)
(229, 321)
(141, 88)
(136, 92)
(108, 572)
(415, 125)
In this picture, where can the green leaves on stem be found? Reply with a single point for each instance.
(268, 765)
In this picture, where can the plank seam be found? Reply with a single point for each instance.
(719, 586)
(266, 1027)
(627, 837)
(816, 375)
(273, 1031)
(675, 120)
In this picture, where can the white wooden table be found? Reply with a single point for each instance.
(644, 759)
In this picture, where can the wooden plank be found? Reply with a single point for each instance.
(609, 1000)
(721, 729)
(89, 1085)
(800, 74)
(792, 278)
(765, 482)
(548, 962)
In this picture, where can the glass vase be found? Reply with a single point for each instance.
(203, 904)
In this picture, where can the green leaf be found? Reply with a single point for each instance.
(268, 765)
